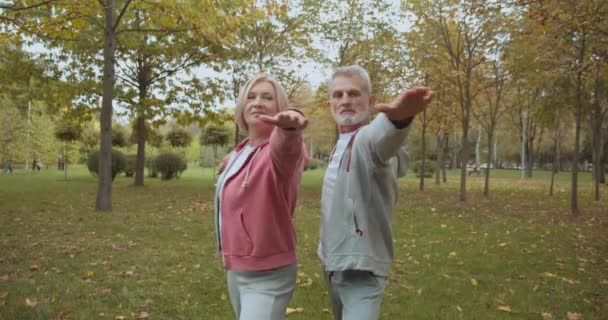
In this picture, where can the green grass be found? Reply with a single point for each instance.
(155, 252)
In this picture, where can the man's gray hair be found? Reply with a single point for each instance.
(350, 71)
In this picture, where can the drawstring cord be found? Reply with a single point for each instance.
(349, 147)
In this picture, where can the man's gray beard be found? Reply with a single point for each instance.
(349, 120)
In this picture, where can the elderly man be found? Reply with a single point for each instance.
(359, 191)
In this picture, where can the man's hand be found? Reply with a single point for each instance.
(408, 104)
(288, 120)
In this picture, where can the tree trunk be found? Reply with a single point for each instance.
(552, 181)
(494, 158)
(104, 187)
(596, 160)
(65, 163)
(140, 160)
(465, 136)
(439, 160)
(555, 158)
(423, 151)
(597, 118)
(446, 147)
(463, 162)
(575, 158)
(530, 157)
(29, 125)
(142, 86)
(523, 143)
(455, 163)
(603, 160)
(558, 153)
(486, 185)
(477, 146)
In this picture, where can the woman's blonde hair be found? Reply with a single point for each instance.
(241, 101)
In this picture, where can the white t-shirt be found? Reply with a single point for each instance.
(328, 186)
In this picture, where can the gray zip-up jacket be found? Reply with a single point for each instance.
(359, 232)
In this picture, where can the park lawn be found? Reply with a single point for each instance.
(517, 255)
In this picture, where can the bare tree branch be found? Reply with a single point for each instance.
(122, 12)
(14, 7)
(188, 62)
(156, 30)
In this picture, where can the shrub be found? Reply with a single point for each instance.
(131, 159)
(67, 132)
(169, 165)
(179, 137)
(429, 168)
(313, 164)
(120, 137)
(118, 162)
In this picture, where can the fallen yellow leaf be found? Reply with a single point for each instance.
(293, 310)
(120, 318)
(31, 302)
(143, 315)
(574, 316)
(474, 282)
(547, 316)
(308, 283)
(504, 308)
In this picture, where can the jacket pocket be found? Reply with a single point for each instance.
(353, 224)
(235, 238)
(272, 238)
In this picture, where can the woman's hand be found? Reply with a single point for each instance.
(289, 119)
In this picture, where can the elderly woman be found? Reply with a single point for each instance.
(255, 200)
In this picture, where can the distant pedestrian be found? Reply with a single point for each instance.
(8, 168)
(35, 163)
(473, 169)
(60, 162)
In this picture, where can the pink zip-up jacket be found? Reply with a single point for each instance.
(258, 202)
